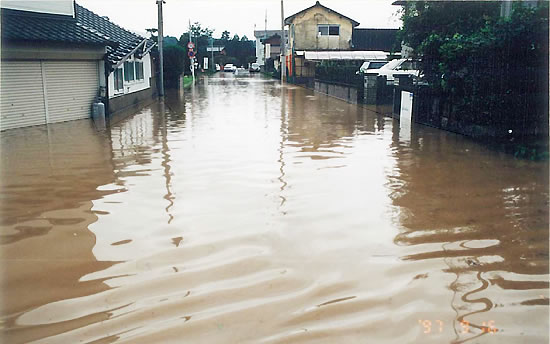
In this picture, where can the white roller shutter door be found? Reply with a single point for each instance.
(21, 94)
(71, 87)
(40, 92)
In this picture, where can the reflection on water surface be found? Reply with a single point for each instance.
(243, 211)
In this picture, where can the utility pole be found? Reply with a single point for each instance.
(192, 59)
(161, 52)
(212, 48)
(265, 36)
(283, 44)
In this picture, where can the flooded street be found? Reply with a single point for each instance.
(241, 211)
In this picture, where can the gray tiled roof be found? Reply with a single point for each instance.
(20, 26)
(267, 33)
(86, 28)
(127, 41)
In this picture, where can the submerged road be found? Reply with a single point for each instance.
(243, 211)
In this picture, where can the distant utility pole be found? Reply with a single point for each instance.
(192, 59)
(212, 48)
(283, 43)
(161, 52)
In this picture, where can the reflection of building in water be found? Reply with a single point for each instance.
(484, 215)
(54, 186)
(284, 138)
(320, 124)
(50, 176)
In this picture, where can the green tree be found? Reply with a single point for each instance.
(174, 64)
(422, 19)
(495, 69)
(198, 31)
(239, 51)
(200, 36)
(428, 24)
(225, 36)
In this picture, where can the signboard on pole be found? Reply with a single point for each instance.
(205, 63)
(191, 54)
(191, 45)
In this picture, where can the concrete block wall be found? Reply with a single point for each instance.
(130, 100)
(346, 93)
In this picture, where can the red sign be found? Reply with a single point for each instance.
(191, 45)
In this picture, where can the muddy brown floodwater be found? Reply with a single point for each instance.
(245, 212)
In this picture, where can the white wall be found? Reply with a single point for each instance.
(136, 85)
(259, 52)
(64, 7)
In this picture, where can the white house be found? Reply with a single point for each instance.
(57, 58)
(129, 64)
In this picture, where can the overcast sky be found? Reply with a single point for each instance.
(235, 16)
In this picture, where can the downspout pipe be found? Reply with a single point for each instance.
(107, 71)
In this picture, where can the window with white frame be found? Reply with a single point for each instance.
(119, 83)
(139, 70)
(129, 74)
(328, 30)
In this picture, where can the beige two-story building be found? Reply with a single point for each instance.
(320, 28)
(316, 28)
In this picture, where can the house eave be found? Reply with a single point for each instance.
(133, 51)
(288, 20)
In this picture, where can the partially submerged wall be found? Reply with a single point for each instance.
(344, 92)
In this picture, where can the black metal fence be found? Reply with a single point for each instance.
(339, 74)
(505, 95)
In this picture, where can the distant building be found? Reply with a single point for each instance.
(58, 58)
(375, 39)
(260, 47)
(272, 46)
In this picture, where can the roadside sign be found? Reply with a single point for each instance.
(191, 54)
(191, 45)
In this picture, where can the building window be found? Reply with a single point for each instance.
(119, 84)
(328, 30)
(129, 71)
(139, 70)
